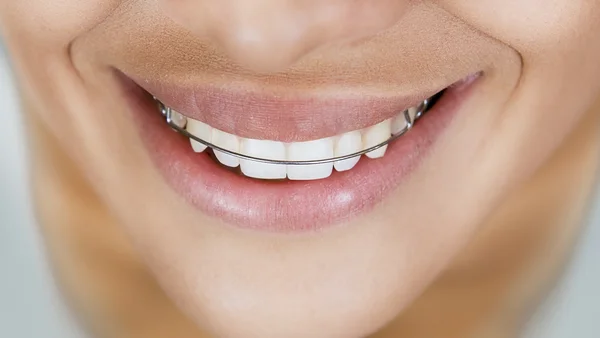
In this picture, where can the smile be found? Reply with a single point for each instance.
(272, 169)
(308, 160)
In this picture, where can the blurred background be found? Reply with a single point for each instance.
(30, 305)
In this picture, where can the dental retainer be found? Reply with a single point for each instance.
(178, 122)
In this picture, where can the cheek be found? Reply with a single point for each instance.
(38, 34)
(547, 33)
(52, 24)
(559, 48)
(530, 25)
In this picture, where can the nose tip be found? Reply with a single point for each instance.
(271, 35)
(267, 44)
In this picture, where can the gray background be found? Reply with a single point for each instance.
(30, 307)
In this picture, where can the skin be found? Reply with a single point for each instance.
(502, 174)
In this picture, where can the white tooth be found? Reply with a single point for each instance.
(229, 142)
(375, 135)
(412, 112)
(348, 143)
(266, 149)
(202, 131)
(398, 123)
(310, 150)
(178, 119)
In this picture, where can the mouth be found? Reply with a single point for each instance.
(282, 163)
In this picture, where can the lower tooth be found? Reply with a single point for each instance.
(306, 151)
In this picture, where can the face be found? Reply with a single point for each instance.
(324, 252)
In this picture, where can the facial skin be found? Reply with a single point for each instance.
(541, 74)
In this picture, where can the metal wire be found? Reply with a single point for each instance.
(178, 122)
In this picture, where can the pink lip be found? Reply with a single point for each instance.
(287, 206)
(278, 116)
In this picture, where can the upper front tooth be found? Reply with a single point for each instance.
(347, 144)
(229, 142)
(375, 135)
(310, 150)
(266, 149)
(201, 130)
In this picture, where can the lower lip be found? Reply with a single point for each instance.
(288, 206)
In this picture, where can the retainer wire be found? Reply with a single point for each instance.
(177, 122)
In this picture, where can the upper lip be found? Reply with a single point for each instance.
(286, 117)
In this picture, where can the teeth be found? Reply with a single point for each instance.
(311, 150)
(376, 134)
(398, 123)
(326, 148)
(178, 119)
(201, 130)
(229, 142)
(412, 112)
(271, 150)
(347, 144)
